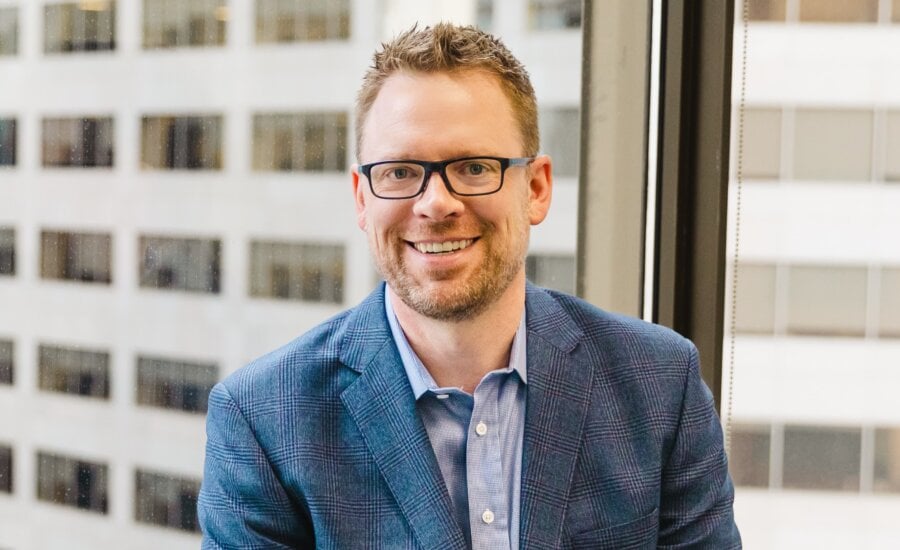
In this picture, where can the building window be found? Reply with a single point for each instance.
(166, 500)
(86, 142)
(7, 372)
(551, 271)
(7, 251)
(6, 469)
(827, 300)
(180, 263)
(176, 23)
(821, 458)
(554, 14)
(766, 10)
(300, 141)
(87, 25)
(838, 11)
(72, 482)
(560, 132)
(833, 144)
(9, 30)
(297, 271)
(484, 14)
(889, 303)
(748, 460)
(302, 20)
(762, 143)
(181, 142)
(887, 460)
(892, 159)
(755, 312)
(7, 142)
(73, 371)
(82, 257)
(175, 384)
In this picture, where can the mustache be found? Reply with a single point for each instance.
(448, 227)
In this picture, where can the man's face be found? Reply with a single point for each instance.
(439, 116)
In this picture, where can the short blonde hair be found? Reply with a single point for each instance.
(446, 47)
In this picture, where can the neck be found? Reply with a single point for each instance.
(459, 353)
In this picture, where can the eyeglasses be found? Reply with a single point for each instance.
(467, 177)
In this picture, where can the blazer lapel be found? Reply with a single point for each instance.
(558, 397)
(382, 404)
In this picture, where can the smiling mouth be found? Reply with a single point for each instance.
(446, 247)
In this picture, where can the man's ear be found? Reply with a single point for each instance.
(359, 194)
(540, 188)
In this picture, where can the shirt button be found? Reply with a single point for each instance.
(481, 429)
(487, 516)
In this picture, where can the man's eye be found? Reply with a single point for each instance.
(399, 173)
(475, 169)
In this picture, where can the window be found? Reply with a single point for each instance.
(175, 384)
(484, 14)
(765, 10)
(7, 373)
(180, 263)
(72, 482)
(166, 500)
(560, 131)
(7, 251)
(551, 271)
(302, 20)
(300, 141)
(839, 11)
(892, 159)
(827, 300)
(821, 458)
(889, 302)
(833, 144)
(756, 299)
(555, 14)
(176, 23)
(87, 25)
(76, 256)
(9, 30)
(73, 371)
(297, 271)
(6, 469)
(762, 143)
(749, 457)
(85, 142)
(7, 142)
(887, 460)
(182, 142)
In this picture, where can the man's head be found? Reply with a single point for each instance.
(447, 255)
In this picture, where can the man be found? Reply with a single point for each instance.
(458, 406)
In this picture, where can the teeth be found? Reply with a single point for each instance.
(447, 246)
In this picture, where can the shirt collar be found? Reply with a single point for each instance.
(419, 377)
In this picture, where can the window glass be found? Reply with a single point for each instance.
(839, 11)
(7, 251)
(181, 142)
(300, 141)
(827, 300)
(9, 30)
(302, 20)
(766, 10)
(749, 458)
(554, 14)
(7, 142)
(73, 256)
(176, 23)
(7, 373)
(889, 303)
(180, 263)
(560, 130)
(762, 143)
(756, 299)
(297, 271)
(887, 460)
(166, 500)
(85, 142)
(833, 144)
(6, 469)
(484, 14)
(818, 457)
(556, 271)
(87, 25)
(72, 482)
(178, 385)
(74, 371)
(892, 143)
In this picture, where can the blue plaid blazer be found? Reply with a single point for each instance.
(318, 444)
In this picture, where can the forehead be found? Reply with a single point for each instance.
(433, 116)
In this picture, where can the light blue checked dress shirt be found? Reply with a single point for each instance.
(477, 439)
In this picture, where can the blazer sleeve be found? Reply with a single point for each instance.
(697, 493)
(242, 504)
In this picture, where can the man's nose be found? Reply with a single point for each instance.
(437, 201)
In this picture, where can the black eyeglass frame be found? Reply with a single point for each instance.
(441, 168)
